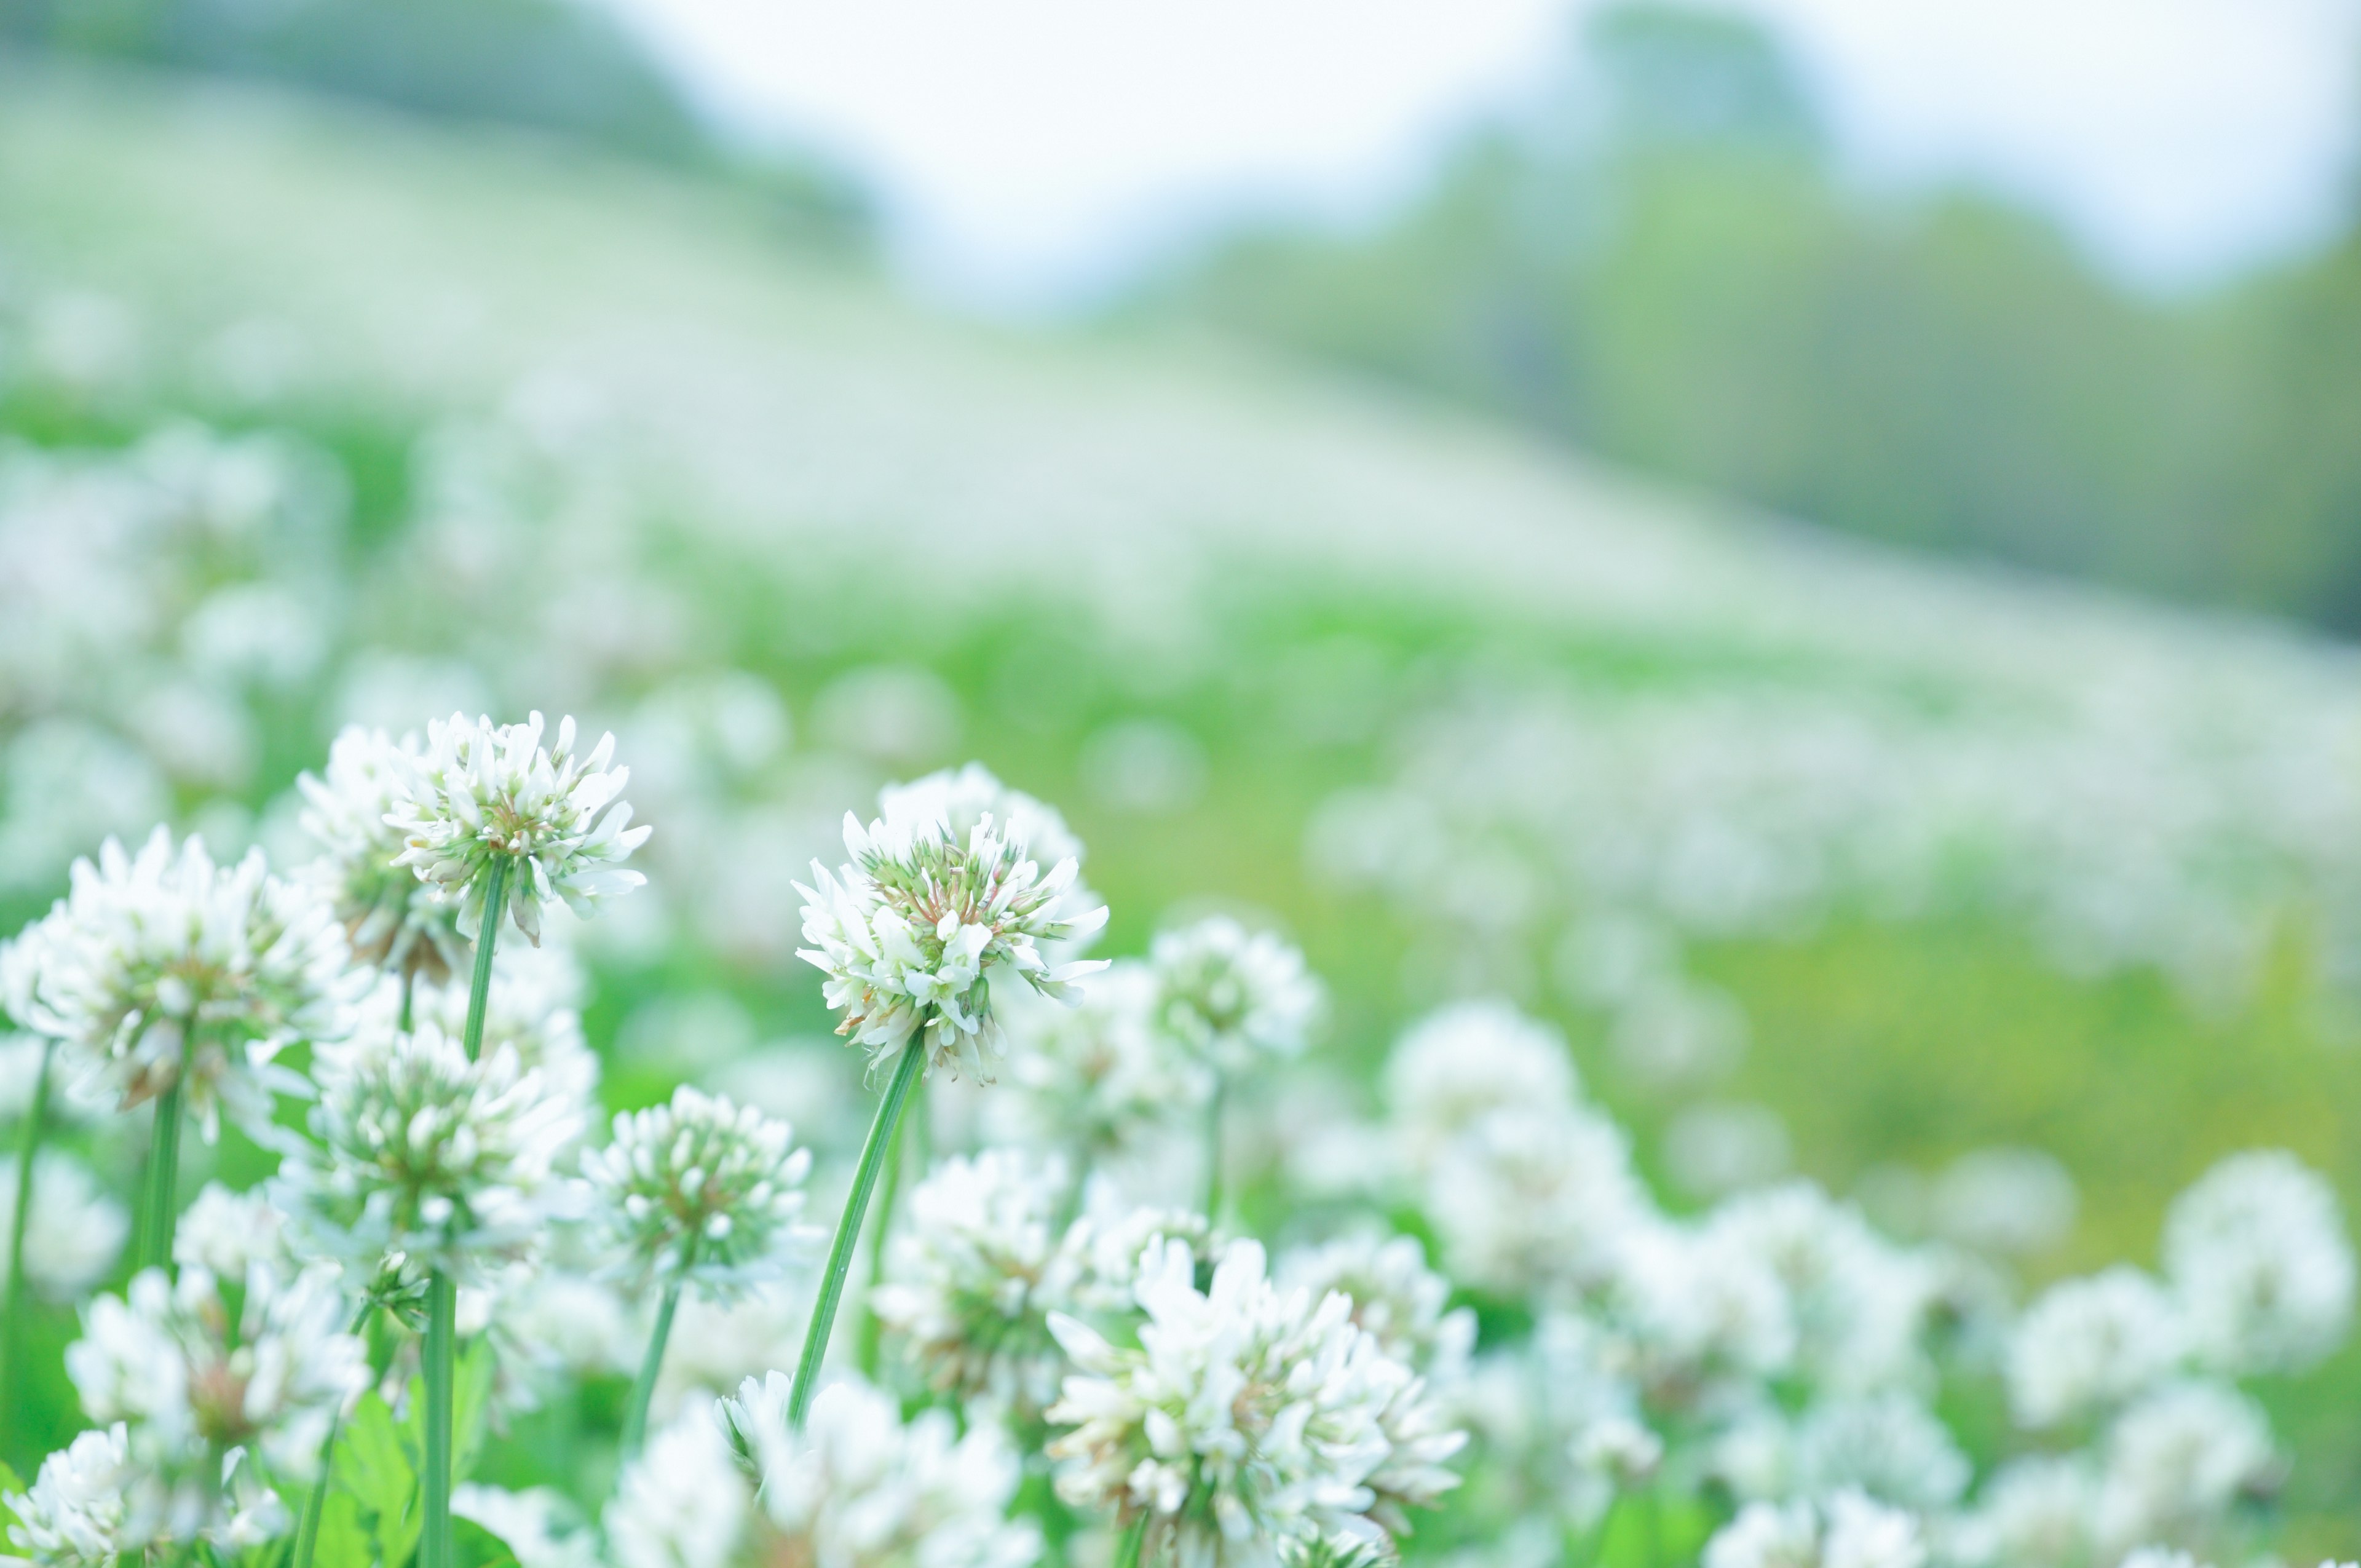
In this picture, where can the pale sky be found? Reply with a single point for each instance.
(1029, 149)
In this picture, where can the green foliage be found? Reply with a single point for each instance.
(372, 1517)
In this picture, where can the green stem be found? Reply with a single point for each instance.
(644, 1387)
(434, 1541)
(1214, 1106)
(307, 1534)
(409, 984)
(161, 1211)
(487, 931)
(869, 1330)
(12, 1310)
(839, 1252)
(1127, 1548)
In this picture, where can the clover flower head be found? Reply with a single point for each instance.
(914, 930)
(1535, 1197)
(1847, 1531)
(395, 921)
(1397, 1300)
(1235, 996)
(74, 1231)
(1691, 1319)
(164, 967)
(2258, 1259)
(422, 1153)
(1886, 1444)
(2089, 1345)
(859, 1484)
(2037, 1508)
(227, 1232)
(1858, 1302)
(1247, 1415)
(1466, 1060)
(1098, 1076)
(962, 797)
(91, 1505)
(682, 1503)
(2177, 1460)
(702, 1188)
(973, 1274)
(482, 789)
(532, 1008)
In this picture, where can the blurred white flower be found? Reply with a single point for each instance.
(422, 1153)
(2008, 1202)
(1248, 1415)
(1533, 1198)
(1887, 1445)
(701, 1189)
(1232, 996)
(532, 1009)
(1847, 1531)
(2090, 1344)
(74, 1231)
(1464, 1060)
(226, 1233)
(2177, 1459)
(162, 964)
(1397, 1300)
(539, 1525)
(974, 1270)
(858, 1485)
(1858, 1304)
(2258, 1259)
(2034, 1512)
(682, 1503)
(1096, 1077)
(913, 931)
(1692, 1319)
(481, 790)
(395, 921)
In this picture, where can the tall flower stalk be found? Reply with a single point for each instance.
(493, 818)
(159, 1205)
(911, 932)
(29, 1146)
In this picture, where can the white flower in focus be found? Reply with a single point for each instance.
(2176, 1461)
(683, 1503)
(1397, 1300)
(164, 960)
(1533, 1198)
(226, 1233)
(74, 1231)
(1247, 1415)
(1096, 1076)
(482, 789)
(395, 921)
(1465, 1060)
(1232, 996)
(858, 1486)
(425, 1153)
(962, 797)
(913, 931)
(2090, 1344)
(195, 1384)
(2258, 1255)
(1847, 1531)
(974, 1272)
(701, 1180)
(89, 1506)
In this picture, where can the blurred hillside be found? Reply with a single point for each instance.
(1663, 263)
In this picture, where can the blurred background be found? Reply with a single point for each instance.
(1812, 543)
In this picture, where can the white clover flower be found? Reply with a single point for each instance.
(1555, 1420)
(1235, 997)
(74, 1231)
(1465, 1060)
(702, 1189)
(2176, 1461)
(683, 1502)
(913, 931)
(532, 1008)
(395, 921)
(1847, 1531)
(1397, 1300)
(962, 797)
(482, 789)
(163, 964)
(423, 1153)
(974, 1270)
(1533, 1198)
(860, 1486)
(1247, 1417)
(1857, 1302)
(2257, 1256)
(540, 1526)
(169, 1358)
(1887, 1445)
(2034, 1512)
(91, 1505)
(227, 1232)
(2090, 1344)
(1692, 1319)
(1096, 1076)
(1114, 1239)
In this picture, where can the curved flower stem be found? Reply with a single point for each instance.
(848, 1228)
(488, 932)
(161, 1211)
(29, 1144)
(869, 1330)
(307, 1534)
(1127, 1548)
(644, 1386)
(1214, 1108)
(434, 1541)
(409, 984)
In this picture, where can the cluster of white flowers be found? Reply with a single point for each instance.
(1099, 1076)
(74, 1231)
(394, 919)
(702, 1189)
(163, 968)
(912, 932)
(481, 791)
